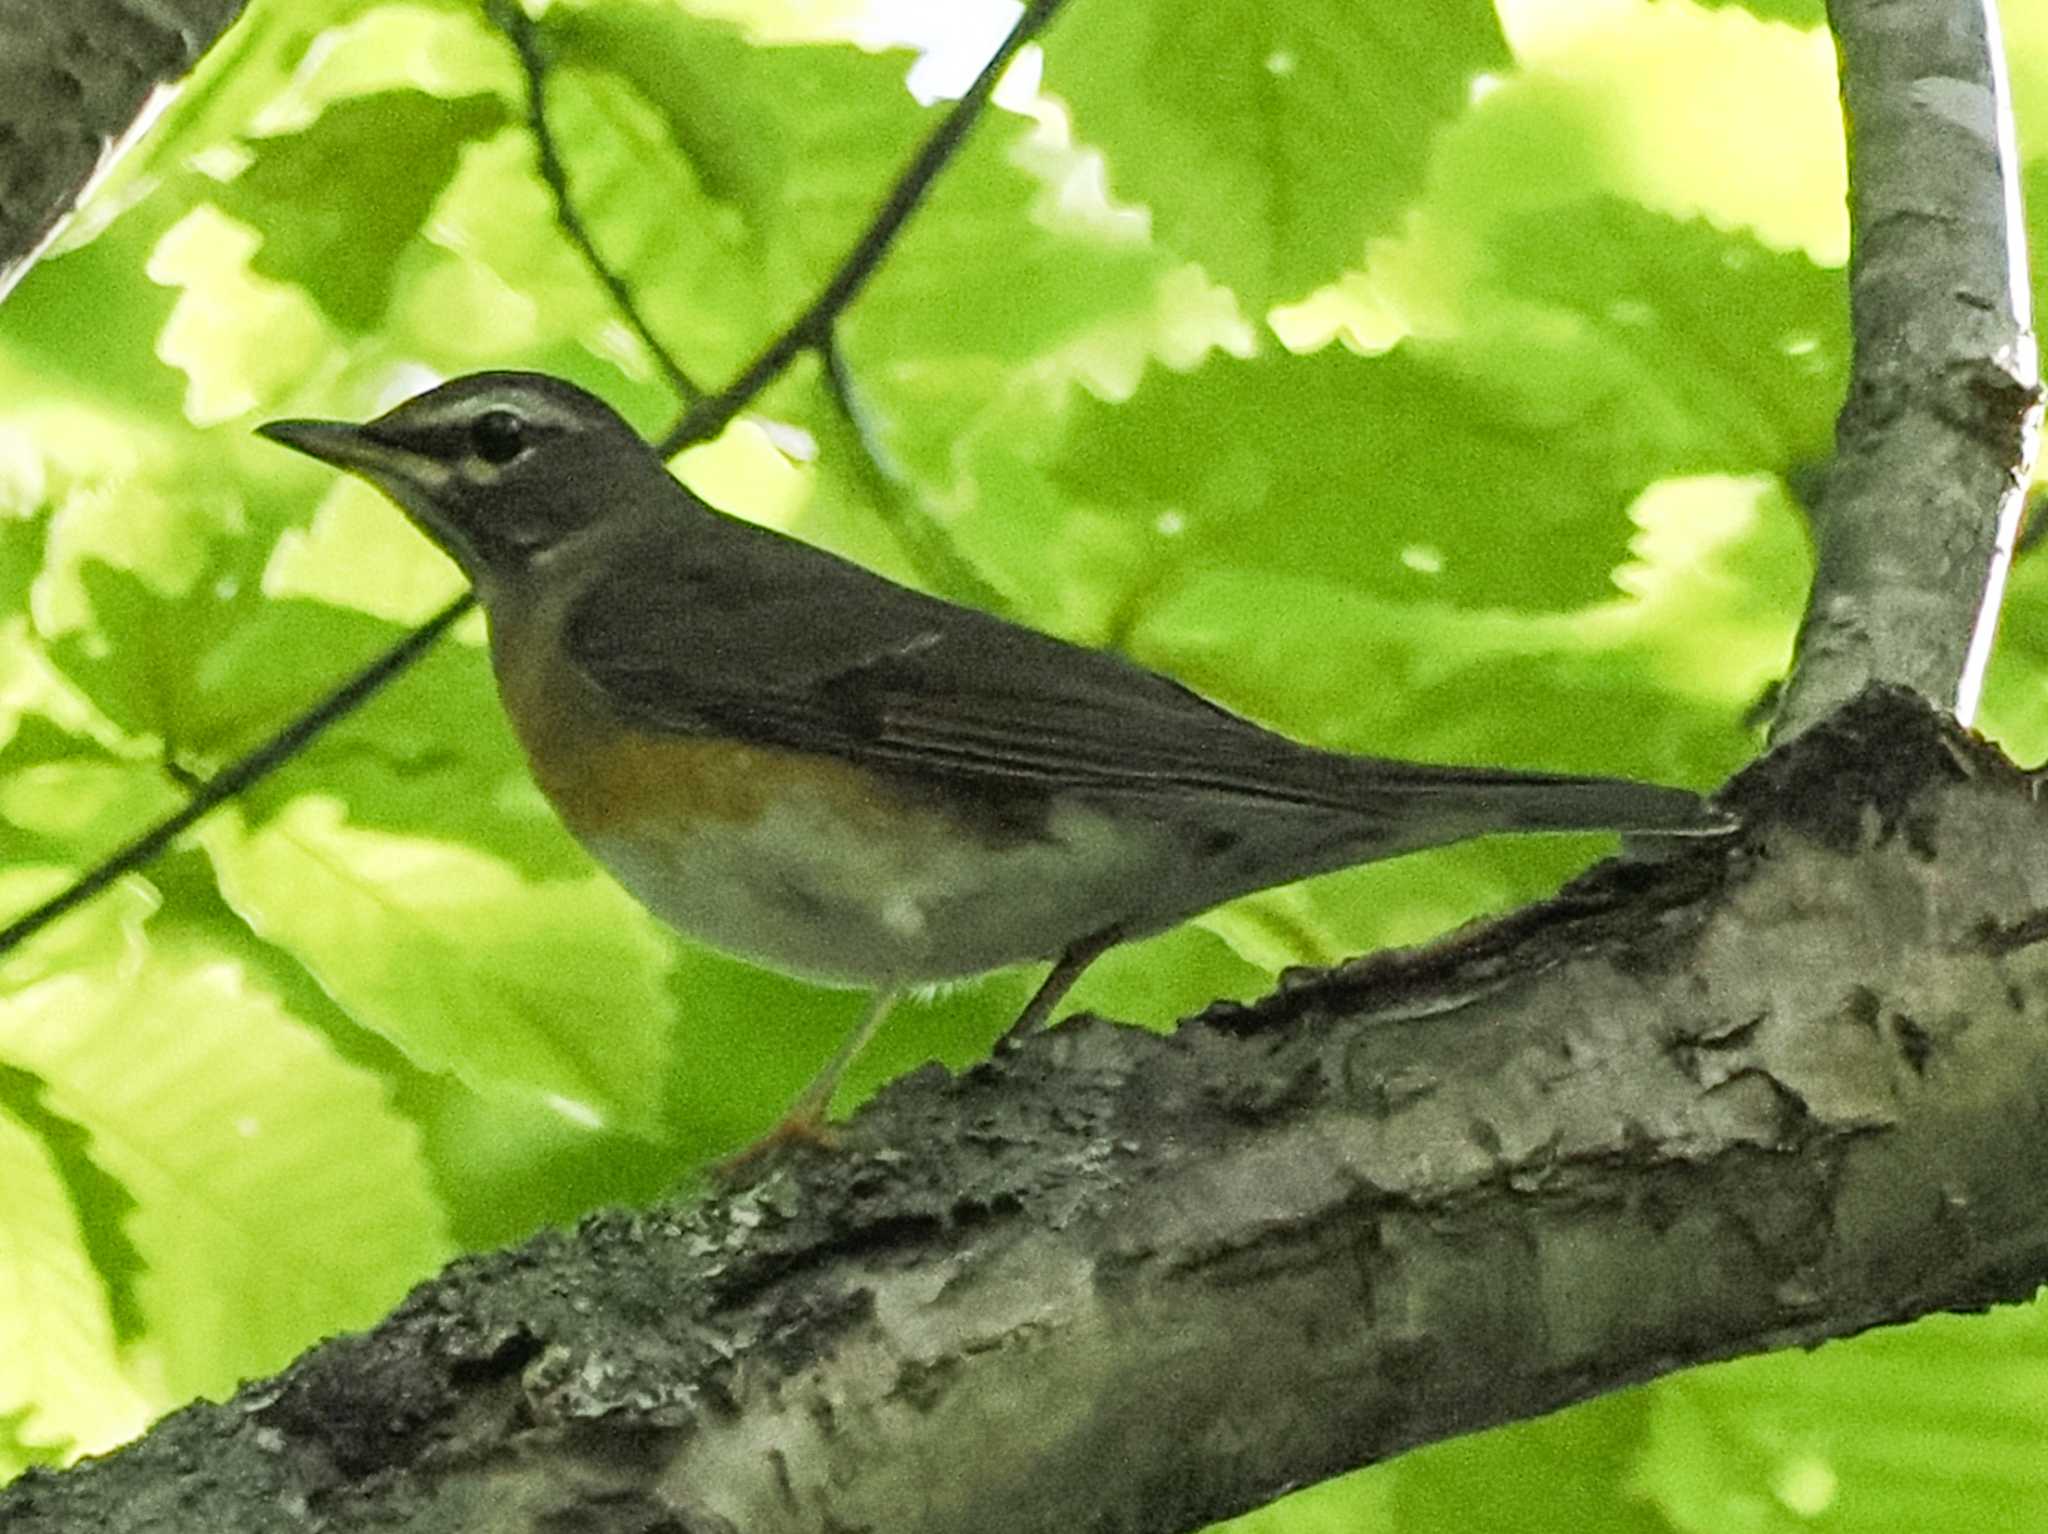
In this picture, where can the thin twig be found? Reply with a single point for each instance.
(811, 329)
(231, 780)
(931, 552)
(519, 31)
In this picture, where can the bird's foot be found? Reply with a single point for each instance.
(802, 1125)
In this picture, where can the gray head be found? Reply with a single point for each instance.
(497, 468)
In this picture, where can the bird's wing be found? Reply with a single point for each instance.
(711, 626)
(724, 628)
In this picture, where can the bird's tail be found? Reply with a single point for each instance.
(1520, 801)
(1416, 804)
(1343, 810)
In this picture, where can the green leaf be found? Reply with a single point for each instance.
(1612, 99)
(1562, 1474)
(493, 280)
(1651, 684)
(553, 990)
(2015, 698)
(1931, 1427)
(212, 673)
(83, 322)
(1162, 979)
(101, 1203)
(215, 669)
(356, 550)
(106, 933)
(996, 223)
(66, 798)
(24, 503)
(1713, 598)
(1582, 1458)
(733, 1077)
(276, 69)
(309, 55)
(64, 1385)
(405, 143)
(277, 1198)
(239, 337)
(39, 741)
(1270, 141)
(1073, 569)
(147, 498)
(1793, 13)
(797, 143)
(1671, 344)
(1403, 475)
(204, 675)
(2034, 198)
(931, 359)
(724, 181)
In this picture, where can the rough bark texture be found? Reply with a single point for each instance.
(1938, 435)
(75, 77)
(1771, 1090)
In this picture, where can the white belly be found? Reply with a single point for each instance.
(811, 892)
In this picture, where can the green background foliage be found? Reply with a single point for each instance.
(1438, 388)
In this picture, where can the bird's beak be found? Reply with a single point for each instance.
(341, 443)
(411, 478)
(407, 475)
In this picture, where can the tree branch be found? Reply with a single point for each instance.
(520, 32)
(931, 553)
(238, 775)
(1757, 1095)
(813, 328)
(1938, 434)
(77, 81)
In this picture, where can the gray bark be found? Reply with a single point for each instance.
(1766, 1091)
(76, 76)
(1933, 448)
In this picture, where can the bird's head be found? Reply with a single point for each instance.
(497, 468)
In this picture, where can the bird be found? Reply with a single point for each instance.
(797, 761)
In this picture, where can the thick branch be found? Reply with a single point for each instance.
(76, 80)
(1766, 1092)
(1937, 437)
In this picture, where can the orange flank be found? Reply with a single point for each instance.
(628, 779)
(603, 774)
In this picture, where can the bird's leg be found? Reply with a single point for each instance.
(1038, 1011)
(805, 1118)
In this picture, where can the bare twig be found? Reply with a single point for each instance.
(1918, 517)
(231, 780)
(941, 565)
(520, 32)
(813, 327)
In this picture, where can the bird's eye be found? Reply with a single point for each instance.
(499, 436)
